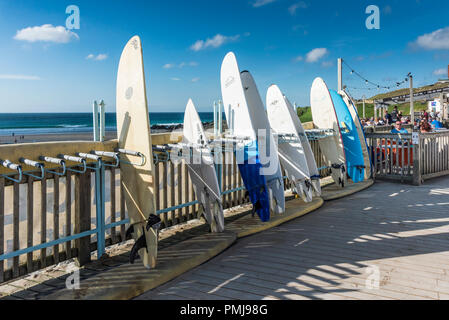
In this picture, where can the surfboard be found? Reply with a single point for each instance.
(355, 164)
(240, 125)
(202, 170)
(358, 124)
(325, 117)
(268, 148)
(291, 151)
(133, 129)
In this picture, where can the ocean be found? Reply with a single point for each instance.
(51, 123)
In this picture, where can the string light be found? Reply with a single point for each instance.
(375, 85)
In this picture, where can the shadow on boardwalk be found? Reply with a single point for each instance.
(388, 242)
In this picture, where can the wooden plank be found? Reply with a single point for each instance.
(83, 216)
(16, 222)
(192, 198)
(2, 227)
(172, 194)
(68, 213)
(179, 186)
(186, 192)
(43, 213)
(229, 178)
(30, 218)
(122, 210)
(56, 216)
(157, 194)
(164, 193)
(234, 183)
(113, 209)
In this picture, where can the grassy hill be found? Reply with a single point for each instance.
(405, 108)
(305, 113)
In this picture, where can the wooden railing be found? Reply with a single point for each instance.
(400, 157)
(44, 222)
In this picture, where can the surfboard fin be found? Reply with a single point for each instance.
(139, 244)
(154, 222)
(256, 207)
(129, 232)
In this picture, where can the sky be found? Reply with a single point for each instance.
(46, 66)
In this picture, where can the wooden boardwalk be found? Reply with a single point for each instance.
(388, 242)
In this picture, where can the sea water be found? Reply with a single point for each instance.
(48, 123)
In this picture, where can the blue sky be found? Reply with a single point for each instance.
(286, 42)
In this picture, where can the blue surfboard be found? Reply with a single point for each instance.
(241, 124)
(255, 183)
(352, 145)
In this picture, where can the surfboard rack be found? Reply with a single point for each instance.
(32, 163)
(113, 155)
(318, 134)
(75, 159)
(17, 167)
(143, 159)
(59, 162)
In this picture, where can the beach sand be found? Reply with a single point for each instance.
(77, 136)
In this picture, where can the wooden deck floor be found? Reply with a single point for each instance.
(396, 234)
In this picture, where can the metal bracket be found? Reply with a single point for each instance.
(75, 159)
(57, 161)
(8, 164)
(106, 154)
(132, 153)
(35, 164)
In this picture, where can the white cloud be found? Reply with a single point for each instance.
(316, 54)
(46, 33)
(261, 3)
(299, 58)
(168, 66)
(215, 42)
(175, 79)
(440, 72)
(195, 79)
(299, 5)
(327, 64)
(99, 57)
(181, 65)
(438, 39)
(18, 77)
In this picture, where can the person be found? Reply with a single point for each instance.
(400, 115)
(425, 127)
(398, 128)
(387, 118)
(425, 115)
(394, 115)
(436, 124)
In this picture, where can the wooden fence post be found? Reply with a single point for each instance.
(417, 178)
(82, 216)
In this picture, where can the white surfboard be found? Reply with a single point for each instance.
(133, 128)
(353, 110)
(293, 150)
(268, 147)
(325, 117)
(242, 124)
(202, 170)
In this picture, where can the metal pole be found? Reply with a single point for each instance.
(99, 204)
(215, 120)
(340, 74)
(412, 107)
(102, 120)
(364, 117)
(220, 117)
(95, 120)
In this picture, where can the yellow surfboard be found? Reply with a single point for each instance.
(133, 129)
